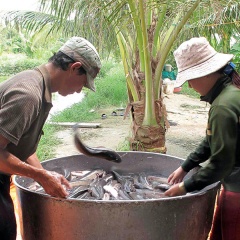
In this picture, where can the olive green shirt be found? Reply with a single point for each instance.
(25, 102)
(221, 145)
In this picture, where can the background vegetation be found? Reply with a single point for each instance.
(111, 91)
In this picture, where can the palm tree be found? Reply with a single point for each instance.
(144, 32)
(218, 25)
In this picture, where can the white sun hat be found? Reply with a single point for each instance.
(197, 58)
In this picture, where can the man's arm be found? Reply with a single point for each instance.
(34, 161)
(50, 181)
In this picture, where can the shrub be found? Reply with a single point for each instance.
(11, 66)
(236, 51)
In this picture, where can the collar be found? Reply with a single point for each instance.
(216, 89)
(47, 83)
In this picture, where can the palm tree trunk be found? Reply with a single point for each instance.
(146, 137)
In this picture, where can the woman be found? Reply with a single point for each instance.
(213, 76)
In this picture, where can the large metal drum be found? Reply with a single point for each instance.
(177, 218)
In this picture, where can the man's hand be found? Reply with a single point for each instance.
(176, 190)
(177, 176)
(54, 184)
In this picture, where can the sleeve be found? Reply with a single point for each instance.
(201, 154)
(222, 136)
(19, 108)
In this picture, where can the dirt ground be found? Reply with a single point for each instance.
(187, 117)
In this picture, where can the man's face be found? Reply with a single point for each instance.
(73, 81)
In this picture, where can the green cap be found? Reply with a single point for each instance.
(81, 50)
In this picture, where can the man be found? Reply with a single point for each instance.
(210, 74)
(25, 102)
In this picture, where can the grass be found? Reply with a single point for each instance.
(123, 146)
(3, 78)
(46, 147)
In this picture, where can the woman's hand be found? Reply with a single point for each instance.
(177, 176)
(176, 190)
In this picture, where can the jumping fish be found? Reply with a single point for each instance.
(95, 152)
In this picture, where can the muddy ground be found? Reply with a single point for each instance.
(187, 117)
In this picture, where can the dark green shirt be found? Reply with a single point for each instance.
(221, 144)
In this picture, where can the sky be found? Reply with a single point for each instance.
(9, 5)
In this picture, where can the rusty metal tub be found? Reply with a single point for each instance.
(177, 218)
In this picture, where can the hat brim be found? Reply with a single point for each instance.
(212, 65)
(90, 83)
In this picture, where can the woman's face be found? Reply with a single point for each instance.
(204, 84)
(197, 85)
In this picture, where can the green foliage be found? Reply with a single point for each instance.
(236, 51)
(14, 41)
(3, 78)
(124, 146)
(12, 64)
(106, 67)
(110, 91)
